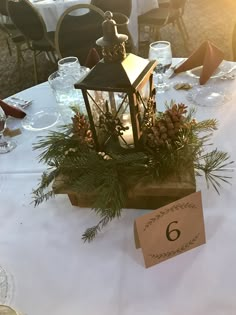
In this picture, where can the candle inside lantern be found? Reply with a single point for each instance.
(127, 139)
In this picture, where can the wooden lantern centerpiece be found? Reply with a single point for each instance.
(120, 100)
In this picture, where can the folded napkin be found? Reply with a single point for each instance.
(92, 58)
(12, 110)
(208, 56)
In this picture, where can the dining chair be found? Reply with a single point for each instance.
(31, 24)
(3, 7)
(77, 31)
(14, 36)
(11, 33)
(118, 6)
(170, 12)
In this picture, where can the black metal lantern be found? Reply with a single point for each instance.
(118, 93)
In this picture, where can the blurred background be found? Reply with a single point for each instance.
(205, 19)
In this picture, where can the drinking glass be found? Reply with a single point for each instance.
(161, 52)
(68, 65)
(5, 145)
(62, 84)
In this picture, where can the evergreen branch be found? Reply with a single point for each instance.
(213, 163)
(205, 125)
(92, 232)
(190, 114)
(132, 157)
(56, 144)
(109, 175)
(108, 204)
(39, 194)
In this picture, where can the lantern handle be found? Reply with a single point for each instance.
(109, 15)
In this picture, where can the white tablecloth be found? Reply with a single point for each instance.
(56, 273)
(52, 10)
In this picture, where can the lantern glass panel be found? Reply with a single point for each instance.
(111, 117)
(142, 97)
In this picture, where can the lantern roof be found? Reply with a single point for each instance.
(120, 76)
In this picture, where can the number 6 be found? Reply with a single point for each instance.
(168, 232)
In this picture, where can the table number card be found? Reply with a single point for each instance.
(170, 230)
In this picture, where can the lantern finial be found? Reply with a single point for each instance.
(112, 43)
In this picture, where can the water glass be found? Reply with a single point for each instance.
(66, 95)
(68, 65)
(161, 52)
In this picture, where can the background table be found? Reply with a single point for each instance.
(52, 10)
(56, 273)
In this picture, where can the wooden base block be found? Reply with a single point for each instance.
(142, 196)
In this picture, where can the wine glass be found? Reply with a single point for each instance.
(161, 52)
(5, 145)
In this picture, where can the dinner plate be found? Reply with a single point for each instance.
(224, 68)
(41, 120)
(208, 96)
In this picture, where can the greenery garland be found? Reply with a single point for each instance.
(172, 145)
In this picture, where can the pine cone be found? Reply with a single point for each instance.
(81, 129)
(167, 126)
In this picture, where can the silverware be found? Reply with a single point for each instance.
(232, 69)
(172, 68)
(14, 100)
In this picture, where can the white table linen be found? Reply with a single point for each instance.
(56, 273)
(52, 10)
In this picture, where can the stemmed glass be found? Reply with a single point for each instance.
(161, 51)
(5, 145)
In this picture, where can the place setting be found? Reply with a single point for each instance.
(208, 69)
(61, 84)
(15, 116)
(204, 75)
(16, 108)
